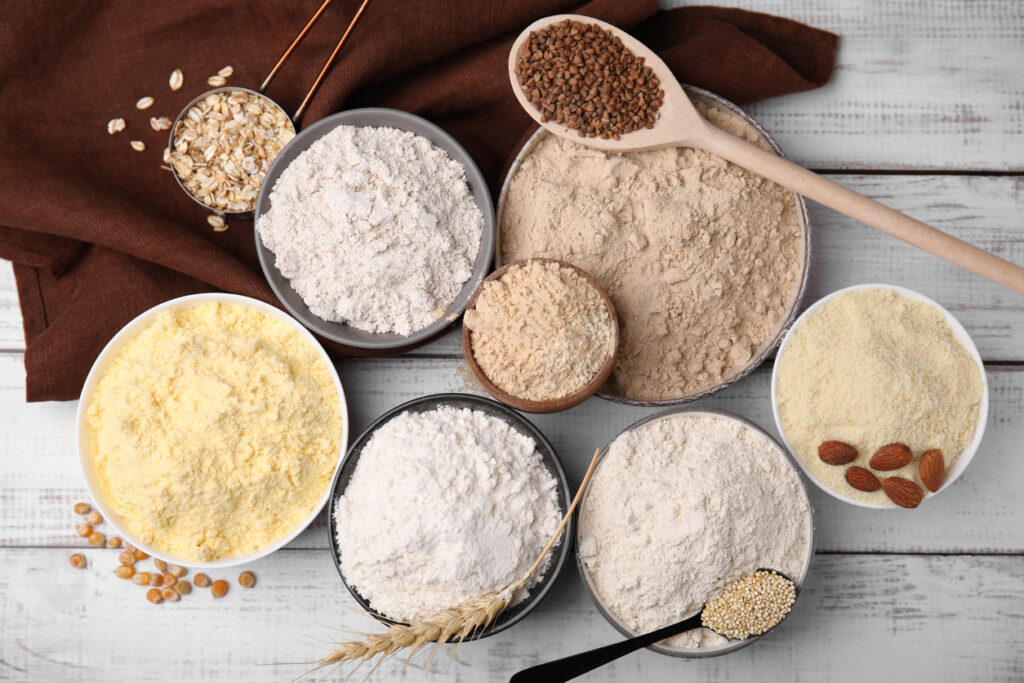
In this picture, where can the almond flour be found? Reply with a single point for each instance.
(873, 368)
(702, 259)
(540, 331)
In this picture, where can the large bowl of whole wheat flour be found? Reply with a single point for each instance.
(373, 228)
(705, 262)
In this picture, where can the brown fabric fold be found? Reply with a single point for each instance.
(98, 232)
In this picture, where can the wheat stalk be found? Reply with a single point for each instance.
(452, 624)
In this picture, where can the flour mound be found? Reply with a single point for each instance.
(679, 509)
(374, 227)
(444, 506)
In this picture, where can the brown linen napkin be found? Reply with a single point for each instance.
(98, 232)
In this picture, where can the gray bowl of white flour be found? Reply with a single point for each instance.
(443, 499)
(373, 228)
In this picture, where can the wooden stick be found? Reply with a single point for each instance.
(295, 42)
(330, 60)
(864, 209)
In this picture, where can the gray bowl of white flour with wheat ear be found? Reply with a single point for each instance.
(375, 287)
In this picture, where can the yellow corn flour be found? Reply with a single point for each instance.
(215, 431)
(873, 367)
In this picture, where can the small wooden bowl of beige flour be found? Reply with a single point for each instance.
(540, 335)
(705, 262)
(681, 504)
(872, 365)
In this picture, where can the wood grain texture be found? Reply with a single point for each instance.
(918, 85)
(41, 480)
(934, 618)
(984, 210)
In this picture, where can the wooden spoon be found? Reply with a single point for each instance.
(680, 125)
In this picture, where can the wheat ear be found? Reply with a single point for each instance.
(454, 623)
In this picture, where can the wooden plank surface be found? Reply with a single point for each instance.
(918, 85)
(932, 89)
(983, 210)
(41, 480)
(859, 617)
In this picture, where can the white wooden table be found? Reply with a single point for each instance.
(926, 113)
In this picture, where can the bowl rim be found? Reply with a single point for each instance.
(475, 181)
(800, 581)
(114, 346)
(551, 405)
(530, 141)
(548, 455)
(959, 333)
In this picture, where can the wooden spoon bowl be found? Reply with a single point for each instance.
(679, 124)
(552, 405)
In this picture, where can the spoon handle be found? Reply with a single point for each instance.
(576, 665)
(855, 205)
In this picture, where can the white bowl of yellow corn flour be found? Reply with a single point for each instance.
(210, 428)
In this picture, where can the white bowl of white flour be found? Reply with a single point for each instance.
(373, 228)
(681, 504)
(444, 499)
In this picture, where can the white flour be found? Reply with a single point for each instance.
(375, 227)
(680, 508)
(444, 506)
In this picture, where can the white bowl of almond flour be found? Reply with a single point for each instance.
(874, 365)
(705, 262)
(373, 228)
(682, 504)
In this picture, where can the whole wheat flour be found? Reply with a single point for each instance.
(444, 506)
(702, 259)
(374, 227)
(681, 507)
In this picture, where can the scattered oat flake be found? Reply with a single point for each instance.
(160, 123)
(144, 103)
(115, 126)
(177, 79)
(216, 222)
(216, 81)
(226, 72)
(138, 145)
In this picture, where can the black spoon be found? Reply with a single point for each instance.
(575, 665)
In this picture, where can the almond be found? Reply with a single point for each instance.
(836, 452)
(932, 468)
(903, 492)
(862, 480)
(891, 457)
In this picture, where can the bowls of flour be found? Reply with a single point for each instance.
(514, 421)
(381, 343)
(543, 220)
(681, 503)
